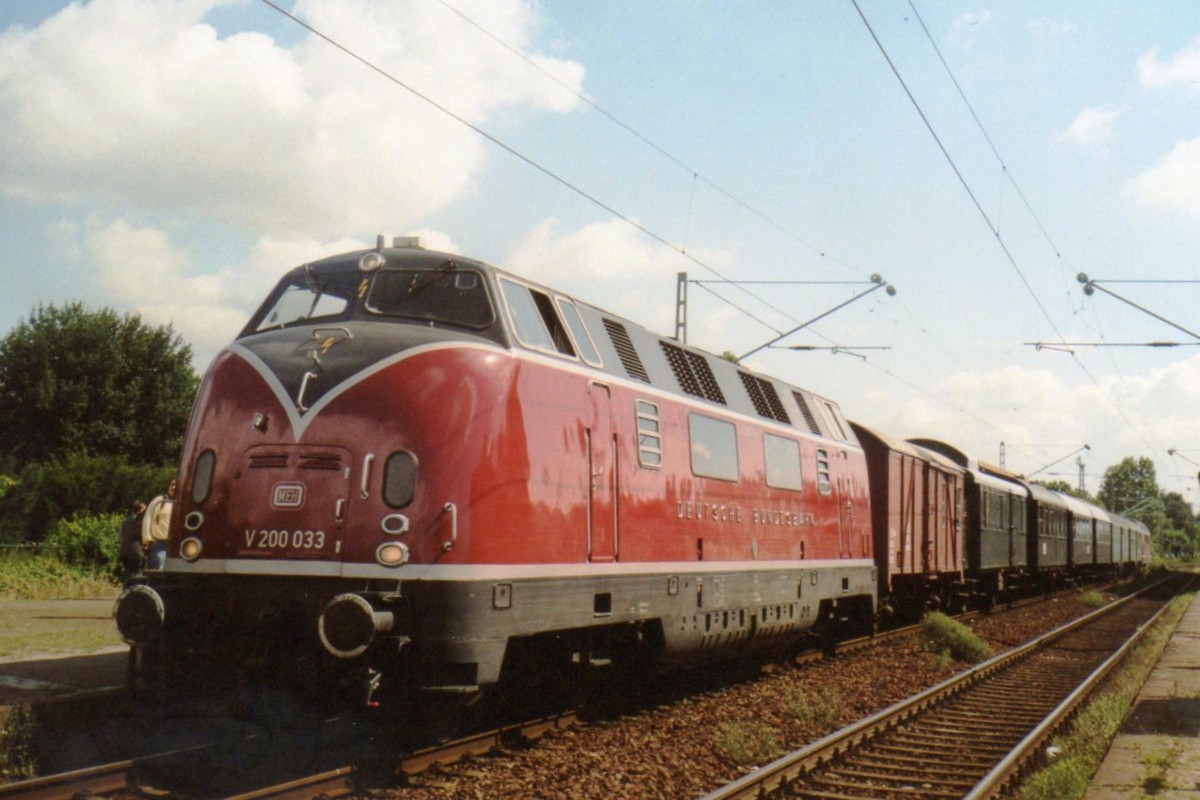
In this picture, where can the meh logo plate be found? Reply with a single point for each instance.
(287, 495)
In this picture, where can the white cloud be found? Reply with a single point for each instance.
(139, 103)
(1183, 68)
(142, 270)
(1041, 415)
(1093, 128)
(1171, 184)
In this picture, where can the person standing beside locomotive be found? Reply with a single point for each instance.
(132, 557)
(156, 527)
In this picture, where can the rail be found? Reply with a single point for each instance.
(787, 770)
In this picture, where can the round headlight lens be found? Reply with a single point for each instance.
(371, 262)
(191, 548)
(392, 554)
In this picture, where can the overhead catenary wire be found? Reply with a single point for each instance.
(954, 167)
(979, 207)
(546, 171)
(696, 175)
(511, 150)
(593, 199)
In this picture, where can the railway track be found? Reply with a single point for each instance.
(970, 735)
(118, 777)
(122, 776)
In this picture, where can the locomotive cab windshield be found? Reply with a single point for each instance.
(448, 294)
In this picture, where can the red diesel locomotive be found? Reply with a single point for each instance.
(424, 471)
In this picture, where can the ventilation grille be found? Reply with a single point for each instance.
(625, 350)
(310, 461)
(807, 412)
(693, 373)
(765, 398)
(269, 461)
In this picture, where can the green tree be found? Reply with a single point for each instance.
(76, 380)
(1130, 488)
(1183, 524)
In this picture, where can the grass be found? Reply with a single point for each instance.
(746, 743)
(1158, 761)
(817, 708)
(35, 627)
(28, 576)
(33, 618)
(1085, 742)
(1093, 599)
(942, 635)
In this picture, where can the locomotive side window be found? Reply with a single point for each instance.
(452, 296)
(649, 436)
(714, 447)
(536, 323)
(781, 458)
(399, 479)
(824, 480)
(583, 339)
(831, 413)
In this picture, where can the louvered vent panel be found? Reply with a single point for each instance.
(807, 412)
(694, 374)
(765, 398)
(708, 381)
(625, 350)
(677, 358)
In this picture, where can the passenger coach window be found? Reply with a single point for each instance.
(714, 447)
(782, 460)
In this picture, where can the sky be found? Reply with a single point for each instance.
(172, 158)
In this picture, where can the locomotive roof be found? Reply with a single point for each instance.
(632, 352)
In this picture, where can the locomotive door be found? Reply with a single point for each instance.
(845, 518)
(602, 476)
(290, 502)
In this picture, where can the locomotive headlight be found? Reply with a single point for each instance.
(191, 548)
(371, 262)
(392, 554)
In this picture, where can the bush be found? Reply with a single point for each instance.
(89, 543)
(74, 485)
(1093, 599)
(940, 634)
